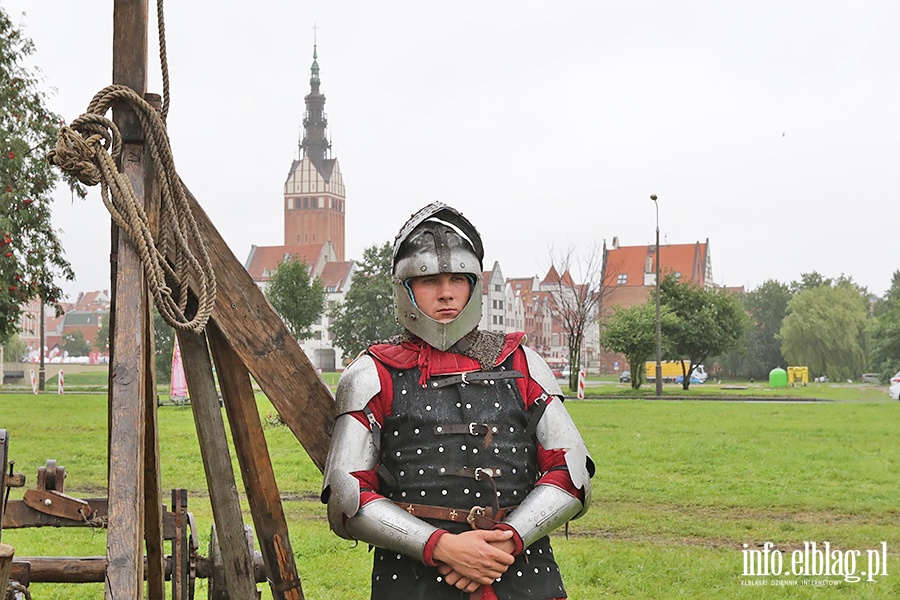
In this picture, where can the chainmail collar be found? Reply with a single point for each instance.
(483, 346)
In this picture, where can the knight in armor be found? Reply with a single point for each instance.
(452, 453)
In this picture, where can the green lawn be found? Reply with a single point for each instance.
(681, 486)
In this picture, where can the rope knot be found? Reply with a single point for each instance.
(75, 155)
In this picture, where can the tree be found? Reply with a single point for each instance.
(164, 346)
(102, 341)
(632, 331)
(825, 330)
(31, 256)
(577, 306)
(708, 322)
(759, 351)
(367, 313)
(75, 344)
(14, 349)
(884, 332)
(298, 298)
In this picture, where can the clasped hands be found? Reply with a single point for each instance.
(474, 558)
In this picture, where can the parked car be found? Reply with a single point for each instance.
(894, 390)
(557, 373)
(625, 377)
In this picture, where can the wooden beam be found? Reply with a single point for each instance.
(256, 469)
(262, 342)
(125, 535)
(153, 508)
(216, 456)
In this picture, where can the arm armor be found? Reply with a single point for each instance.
(352, 447)
(556, 430)
(544, 509)
(384, 524)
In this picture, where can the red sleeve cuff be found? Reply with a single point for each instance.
(428, 554)
(515, 538)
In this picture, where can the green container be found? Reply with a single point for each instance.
(778, 378)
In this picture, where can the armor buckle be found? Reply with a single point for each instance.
(472, 427)
(476, 511)
(480, 471)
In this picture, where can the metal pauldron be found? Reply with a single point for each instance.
(541, 373)
(544, 509)
(358, 384)
(352, 449)
(556, 430)
(384, 524)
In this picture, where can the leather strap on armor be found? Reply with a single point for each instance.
(477, 377)
(479, 517)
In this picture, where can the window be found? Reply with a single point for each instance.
(500, 320)
(500, 304)
(498, 288)
(622, 279)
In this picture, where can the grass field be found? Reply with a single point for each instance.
(681, 487)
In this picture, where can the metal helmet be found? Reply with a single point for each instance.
(437, 239)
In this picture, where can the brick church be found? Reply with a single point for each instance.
(314, 209)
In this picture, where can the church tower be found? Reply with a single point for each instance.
(314, 191)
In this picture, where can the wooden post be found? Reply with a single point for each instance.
(256, 469)
(4, 457)
(153, 515)
(180, 549)
(6, 557)
(223, 495)
(262, 342)
(124, 545)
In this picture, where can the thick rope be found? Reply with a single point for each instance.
(88, 150)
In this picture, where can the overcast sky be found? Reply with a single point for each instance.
(769, 127)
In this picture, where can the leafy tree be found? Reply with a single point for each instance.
(102, 341)
(75, 344)
(759, 351)
(632, 331)
(164, 346)
(14, 349)
(298, 298)
(31, 257)
(884, 332)
(825, 330)
(367, 313)
(708, 322)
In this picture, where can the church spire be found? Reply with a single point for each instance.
(315, 144)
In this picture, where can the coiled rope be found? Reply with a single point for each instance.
(88, 149)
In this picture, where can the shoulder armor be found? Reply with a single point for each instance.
(352, 449)
(557, 431)
(358, 384)
(540, 372)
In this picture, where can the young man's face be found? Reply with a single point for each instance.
(442, 297)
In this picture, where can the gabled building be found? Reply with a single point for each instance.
(493, 301)
(630, 276)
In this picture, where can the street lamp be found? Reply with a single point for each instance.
(658, 325)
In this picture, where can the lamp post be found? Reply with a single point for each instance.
(658, 324)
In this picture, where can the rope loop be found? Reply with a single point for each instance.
(88, 149)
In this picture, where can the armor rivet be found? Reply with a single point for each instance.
(441, 449)
(440, 429)
(423, 268)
